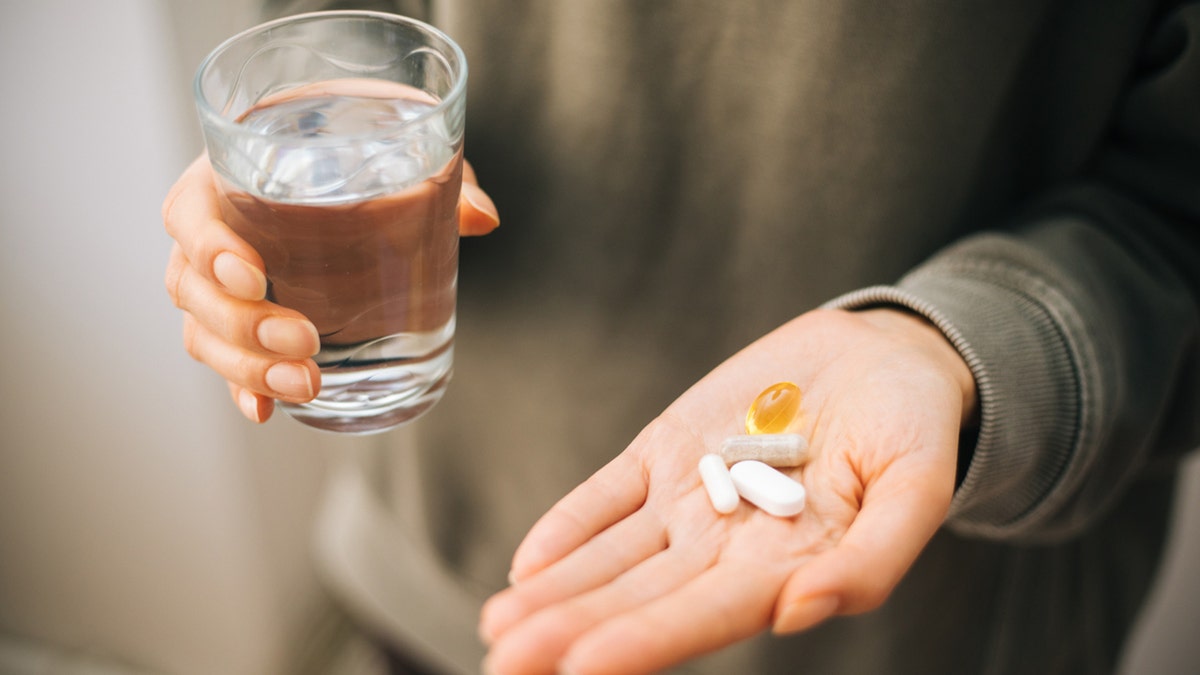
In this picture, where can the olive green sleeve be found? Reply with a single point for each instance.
(1081, 320)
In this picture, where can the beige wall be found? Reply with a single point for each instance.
(141, 522)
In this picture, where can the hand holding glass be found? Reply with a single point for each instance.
(336, 142)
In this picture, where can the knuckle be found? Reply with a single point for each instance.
(236, 327)
(249, 371)
(191, 339)
(168, 208)
(173, 280)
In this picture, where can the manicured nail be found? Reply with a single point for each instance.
(290, 380)
(290, 337)
(248, 404)
(482, 203)
(804, 614)
(239, 277)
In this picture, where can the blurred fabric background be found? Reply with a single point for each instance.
(144, 526)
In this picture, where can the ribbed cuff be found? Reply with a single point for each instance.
(1025, 379)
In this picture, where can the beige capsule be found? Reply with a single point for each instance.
(777, 450)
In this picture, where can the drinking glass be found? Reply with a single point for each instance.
(336, 143)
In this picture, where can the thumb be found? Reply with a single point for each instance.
(898, 518)
(476, 212)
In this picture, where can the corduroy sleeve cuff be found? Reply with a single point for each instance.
(1027, 385)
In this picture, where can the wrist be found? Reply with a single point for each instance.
(915, 329)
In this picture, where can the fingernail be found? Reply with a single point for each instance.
(290, 337)
(239, 277)
(248, 403)
(804, 614)
(483, 204)
(291, 380)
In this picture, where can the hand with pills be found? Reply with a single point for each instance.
(796, 482)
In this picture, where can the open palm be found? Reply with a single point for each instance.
(634, 570)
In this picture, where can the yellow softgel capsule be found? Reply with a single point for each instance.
(774, 409)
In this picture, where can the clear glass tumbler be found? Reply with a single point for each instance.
(336, 140)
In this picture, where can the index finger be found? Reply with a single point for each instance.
(727, 602)
(477, 213)
(900, 513)
(192, 217)
(610, 494)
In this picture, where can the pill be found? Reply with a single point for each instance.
(767, 488)
(718, 483)
(771, 449)
(774, 409)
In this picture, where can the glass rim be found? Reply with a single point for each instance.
(209, 113)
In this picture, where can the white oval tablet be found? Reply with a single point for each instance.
(770, 490)
(718, 483)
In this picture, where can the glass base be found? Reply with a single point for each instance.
(375, 398)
